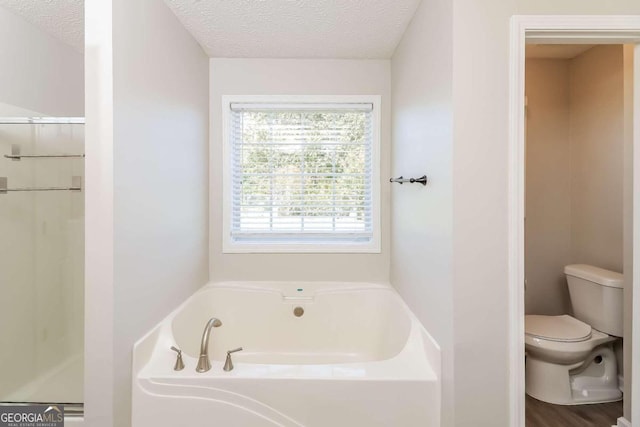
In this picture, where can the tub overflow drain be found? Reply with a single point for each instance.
(298, 311)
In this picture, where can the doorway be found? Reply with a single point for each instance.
(568, 30)
(574, 219)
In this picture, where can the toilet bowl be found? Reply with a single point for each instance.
(569, 361)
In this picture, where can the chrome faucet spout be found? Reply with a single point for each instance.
(203, 361)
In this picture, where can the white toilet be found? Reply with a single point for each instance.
(570, 360)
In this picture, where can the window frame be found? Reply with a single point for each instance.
(229, 245)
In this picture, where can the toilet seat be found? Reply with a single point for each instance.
(557, 328)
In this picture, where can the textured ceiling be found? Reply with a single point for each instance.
(556, 51)
(63, 19)
(296, 28)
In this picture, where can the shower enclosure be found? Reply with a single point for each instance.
(42, 261)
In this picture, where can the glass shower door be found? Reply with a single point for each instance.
(41, 261)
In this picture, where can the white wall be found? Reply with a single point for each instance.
(574, 180)
(575, 7)
(99, 227)
(628, 222)
(481, 102)
(297, 77)
(99, 354)
(480, 94)
(37, 71)
(597, 157)
(548, 187)
(156, 153)
(421, 217)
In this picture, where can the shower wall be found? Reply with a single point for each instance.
(41, 267)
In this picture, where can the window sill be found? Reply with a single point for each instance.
(231, 247)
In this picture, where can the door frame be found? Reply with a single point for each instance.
(560, 29)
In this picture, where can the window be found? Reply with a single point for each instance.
(301, 174)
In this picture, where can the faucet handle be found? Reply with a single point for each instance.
(179, 366)
(228, 364)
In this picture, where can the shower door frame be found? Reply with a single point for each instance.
(74, 412)
(561, 29)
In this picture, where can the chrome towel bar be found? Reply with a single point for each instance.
(42, 120)
(76, 185)
(15, 155)
(401, 180)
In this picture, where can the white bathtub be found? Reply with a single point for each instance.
(357, 357)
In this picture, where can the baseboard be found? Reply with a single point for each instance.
(622, 422)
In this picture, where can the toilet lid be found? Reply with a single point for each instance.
(556, 328)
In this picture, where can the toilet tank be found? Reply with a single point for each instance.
(596, 297)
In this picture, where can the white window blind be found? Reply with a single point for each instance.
(301, 173)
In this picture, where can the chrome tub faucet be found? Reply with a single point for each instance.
(203, 361)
